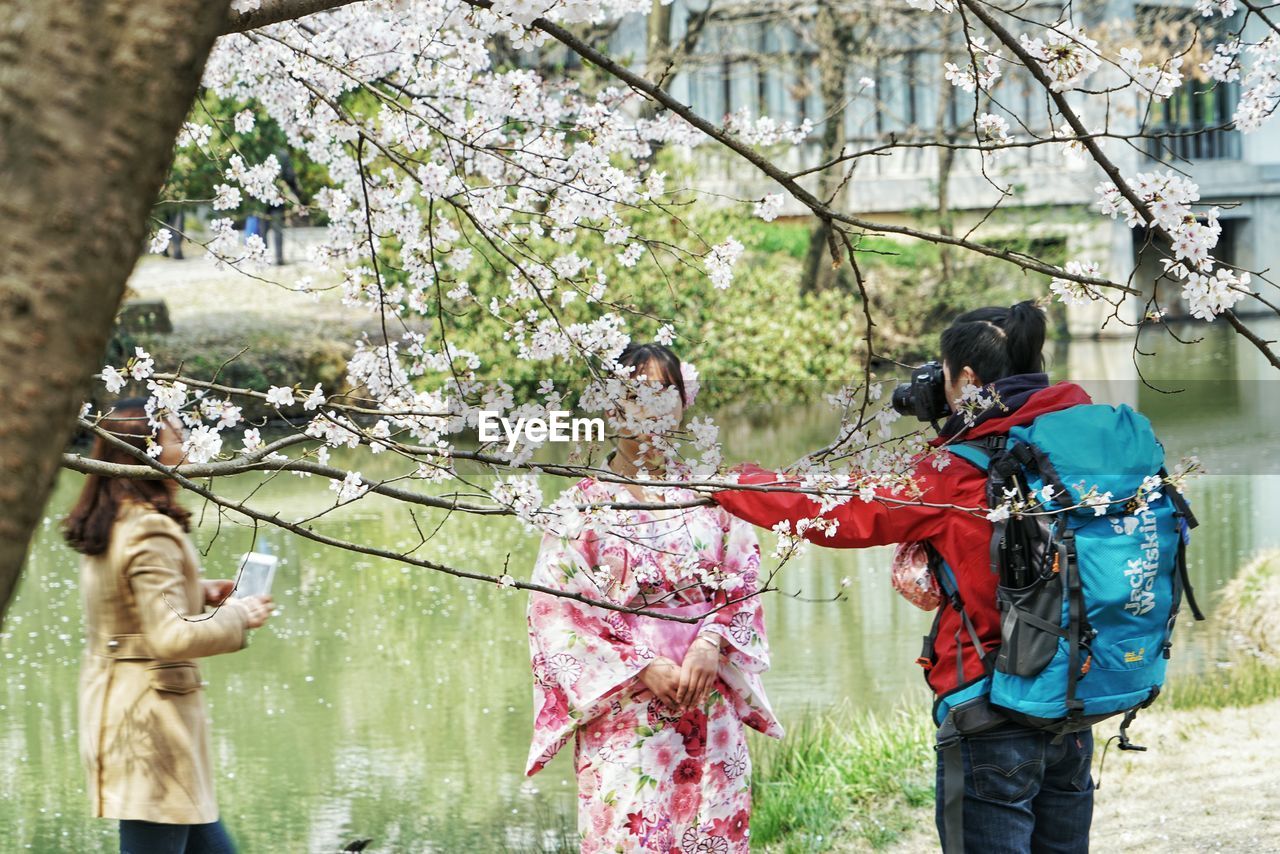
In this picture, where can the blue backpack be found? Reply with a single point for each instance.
(1090, 584)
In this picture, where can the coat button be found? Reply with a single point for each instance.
(113, 644)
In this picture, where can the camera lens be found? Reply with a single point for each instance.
(901, 400)
(924, 397)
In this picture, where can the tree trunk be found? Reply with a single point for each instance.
(945, 134)
(176, 219)
(833, 67)
(658, 43)
(92, 93)
(946, 161)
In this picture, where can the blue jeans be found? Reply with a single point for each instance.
(1023, 793)
(145, 837)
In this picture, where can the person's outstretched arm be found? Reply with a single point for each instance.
(889, 519)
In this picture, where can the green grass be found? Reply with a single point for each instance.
(792, 238)
(846, 777)
(843, 775)
(788, 238)
(1246, 615)
(1243, 682)
(887, 252)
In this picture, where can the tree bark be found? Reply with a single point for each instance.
(92, 94)
(277, 12)
(658, 43)
(833, 37)
(945, 134)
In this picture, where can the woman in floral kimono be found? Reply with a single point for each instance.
(657, 709)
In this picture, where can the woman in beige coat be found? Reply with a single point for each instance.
(144, 733)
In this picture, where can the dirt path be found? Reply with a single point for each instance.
(203, 299)
(1210, 782)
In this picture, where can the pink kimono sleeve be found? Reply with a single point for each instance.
(742, 621)
(581, 655)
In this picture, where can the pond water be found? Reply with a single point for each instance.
(389, 702)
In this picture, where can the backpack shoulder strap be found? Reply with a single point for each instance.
(946, 579)
(1182, 578)
(990, 456)
(978, 452)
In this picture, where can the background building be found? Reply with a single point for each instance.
(872, 72)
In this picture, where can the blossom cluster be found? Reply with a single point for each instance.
(1013, 504)
(1066, 54)
(1167, 201)
(1260, 85)
(458, 164)
(1074, 151)
(993, 128)
(1073, 292)
(766, 130)
(981, 72)
(1208, 8)
(1159, 81)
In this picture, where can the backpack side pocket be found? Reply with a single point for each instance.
(1030, 626)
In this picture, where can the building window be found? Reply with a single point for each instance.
(1190, 125)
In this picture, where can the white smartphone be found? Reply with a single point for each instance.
(256, 573)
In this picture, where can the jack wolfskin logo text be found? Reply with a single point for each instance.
(1141, 571)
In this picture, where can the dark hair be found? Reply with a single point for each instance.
(996, 342)
(639, 355)
(87, 528)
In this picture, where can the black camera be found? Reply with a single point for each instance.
(925, 396)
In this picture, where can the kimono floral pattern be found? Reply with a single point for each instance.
(650, 779)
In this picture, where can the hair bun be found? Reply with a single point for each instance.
(1024, 329)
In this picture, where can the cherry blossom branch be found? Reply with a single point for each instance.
(278, 11)
(1252, 337)
(894, 143)
(505, 581)
(1260, 12)
(821, 209)
(242, 465)
(328, 402)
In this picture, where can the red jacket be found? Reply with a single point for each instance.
(963, 539)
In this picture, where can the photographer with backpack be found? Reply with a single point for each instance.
(1058, 552)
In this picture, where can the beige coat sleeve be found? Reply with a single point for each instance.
(157, 572)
